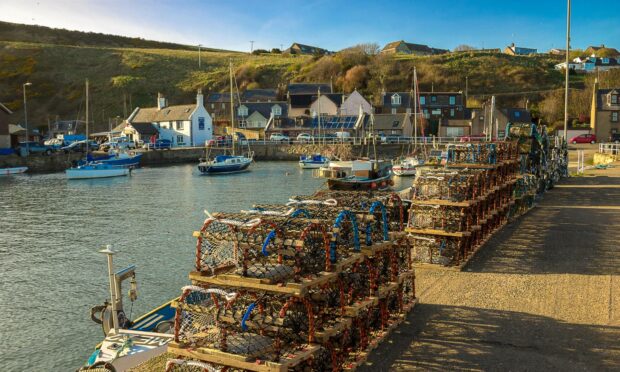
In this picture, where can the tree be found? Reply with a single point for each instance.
(276, 51)
(369, 49)
(464, 48)
(356, 77)
(259, 51)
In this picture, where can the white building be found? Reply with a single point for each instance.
(353, 103)
(184, 125)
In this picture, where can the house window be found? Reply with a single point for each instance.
(517, 114)
(451, 113)
(433, 99)
(180, 140)
(614, 116)
(426, 114)
(423, 100)
(614, 99)
(243, 123)
(242, 111)
(179, 125)
(223, 106)
(396, 99)
(452, 100)
(276, 110)
(436, 112)
(393, 111)
(213, 106)
(455, 131)
(605, 61)
(201, 123)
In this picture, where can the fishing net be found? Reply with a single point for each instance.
(439, 217)
(431, 249)
(355, 282)
(451, 185)
(182, 365)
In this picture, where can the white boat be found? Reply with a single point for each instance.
(96, 170)
(14, 170)
(313, 161)
(406, 166)
(225, 164)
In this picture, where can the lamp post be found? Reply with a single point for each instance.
(26, 115)
(567, 69)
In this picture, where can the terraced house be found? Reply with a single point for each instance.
(605, 114)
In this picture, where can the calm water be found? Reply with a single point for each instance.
(51, 229)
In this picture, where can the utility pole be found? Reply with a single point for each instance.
(27, 84)
(492, 117)
(199, 45)
(567, 69)
(251, 46)
(466, 88)
(415, 108)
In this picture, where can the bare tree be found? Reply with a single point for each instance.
(463, 48)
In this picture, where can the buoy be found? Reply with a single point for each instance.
(373, 185)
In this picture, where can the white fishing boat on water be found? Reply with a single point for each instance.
(406, 166)
(14, 170)
(314, 161)
(96, 170)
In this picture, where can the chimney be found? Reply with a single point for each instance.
(199, 98)
(161, 101)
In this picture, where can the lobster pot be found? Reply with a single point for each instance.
(506, 150)
(472, 153)
(217, 246)
(355, 282)
(451, 185)
(362, 200)
(406, 293)
(437, 250)
(400, 258)
(335, 351)
(188, 365)
(342, 225)
(272, 248)
(438, 217)
(380, 270)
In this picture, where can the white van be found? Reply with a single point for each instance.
(343, 136)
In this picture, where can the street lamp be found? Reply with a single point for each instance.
(27, 84)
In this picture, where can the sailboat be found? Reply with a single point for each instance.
(407, 165)
(13, 170)
(92, 170)
(226, 164)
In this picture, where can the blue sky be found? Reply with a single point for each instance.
(231, 24)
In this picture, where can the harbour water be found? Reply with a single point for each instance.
(51, 230)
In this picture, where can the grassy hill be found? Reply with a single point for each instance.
(123, 77)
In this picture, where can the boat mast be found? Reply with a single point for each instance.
(87, 117)
(232, 108)
(319, 102)
(415, 108)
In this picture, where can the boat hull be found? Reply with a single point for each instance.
(214, 169)
(14, 170)
(356, 184)
(127, 162)
(312, 165)
(83, 174)
(404, 171)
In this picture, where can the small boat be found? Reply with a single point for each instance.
(367, 175)
(120, 158)
(96, 170)
(225, 164)
(14, 170)
(128, 343)
(313, 161)
(406, 166)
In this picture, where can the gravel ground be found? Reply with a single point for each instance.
(543, 294)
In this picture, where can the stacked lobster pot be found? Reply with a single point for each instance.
(455, 208)
(308, 285)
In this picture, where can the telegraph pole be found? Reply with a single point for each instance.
(567, 69)
(251, 46)
(199, 45)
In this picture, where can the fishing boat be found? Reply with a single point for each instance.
(14, 170)
(128, 343)
(367, 175)
(313, 161)
(406, 166)
(227, 164)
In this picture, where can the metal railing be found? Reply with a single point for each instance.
(609, 148)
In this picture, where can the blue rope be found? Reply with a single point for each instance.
(383, 218)
(442, 246)
(305, 213)
(244, 327)
(356, 236)
(270, 236)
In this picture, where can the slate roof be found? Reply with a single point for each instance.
(384, 122)
(218, 97)
(421, 48)
(308, 88)
(307, 49)
(264, 108)
(145, 128)
(153, 115)
(305, 100)
(406, 99)
(5, 109)
(255, 95)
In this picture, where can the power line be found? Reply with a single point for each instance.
(518, 93)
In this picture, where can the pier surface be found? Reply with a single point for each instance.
(543, 294)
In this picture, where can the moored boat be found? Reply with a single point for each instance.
(120, 158)
(366, 175)
(406, 166)
(313, 161)
(13, 170)
(96, 170)
(225, 164)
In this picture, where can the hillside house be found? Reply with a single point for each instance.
(402, 47)
(184, 125)
(557, 52)
(5, 137)
(138, 132)
(514, 50)
(256, 115)
(385, 124)
(301, 96)
(355, 102)
(605, 112)
(602, 51)
(218, 105)
(297, 48)
(590, 64)
(481, 118)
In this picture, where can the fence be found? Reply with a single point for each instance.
(609, 148)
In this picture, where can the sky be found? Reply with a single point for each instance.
(331, 24)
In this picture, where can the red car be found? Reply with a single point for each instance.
(583, 138)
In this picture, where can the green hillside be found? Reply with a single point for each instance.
(122, 78)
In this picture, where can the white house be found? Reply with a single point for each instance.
(184, 125)
(326, 104)
(353, 103)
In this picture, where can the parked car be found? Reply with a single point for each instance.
(583, 138)
(615, 138)
(343, 136)
(118, 143)
(161, 144)
(30, 147)
(80, 146)
(279, 137)
(392, 138)
(55, 143)
(304, 138)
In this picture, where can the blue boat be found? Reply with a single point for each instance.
(225, 164)
(117, 159)
(313, 161)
